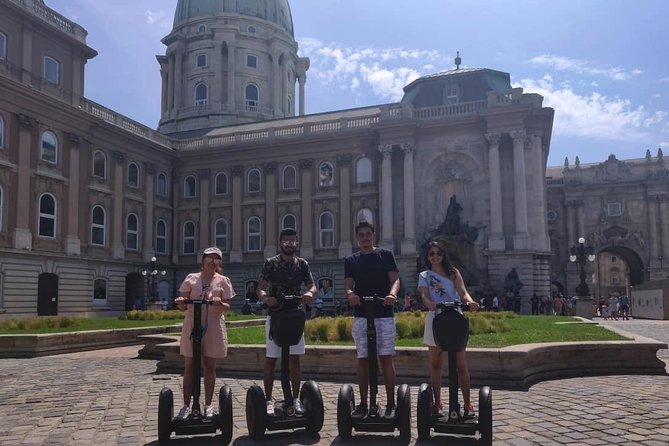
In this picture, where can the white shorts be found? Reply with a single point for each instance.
(428, 334)
(272, 350)
(385, 336)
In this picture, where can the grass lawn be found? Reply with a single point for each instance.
(62, 324)
(519, 330)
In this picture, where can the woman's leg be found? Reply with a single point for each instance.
(209, 379)
(188, 379)
(436, 365)
(463, 377)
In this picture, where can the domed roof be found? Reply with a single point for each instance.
(276, 11)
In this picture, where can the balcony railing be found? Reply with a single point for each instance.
(52, 17)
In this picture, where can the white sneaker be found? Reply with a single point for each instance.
(209, 412)
(184, 412)
(270, 408)
(297, 405)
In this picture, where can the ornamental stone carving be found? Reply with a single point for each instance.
(344, 159)
(306, 163)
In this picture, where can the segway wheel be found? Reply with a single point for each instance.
(225, 414)
(311, 398)
(345, 405)
(424, 411)
(485, 415)
(404, 411)
(256, 415)
(165, 414)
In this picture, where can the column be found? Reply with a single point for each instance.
(270, 209)
(77, 81)
(571, 237)
(386, 197)
(176, 221)
(178, 81)
(496, 240)
(543, 241)
(345, 220)
(237, 231)
(204, 180)
(276, 78)
(521, 236)
(149, 225)
(409, 241)
(307, 239)
(652, 227)
(170, 84)
(216, 85)
(579, 206)
(117, 220)
(23, 238)
(72, 242)
(664, 229)
(163, 90)
(232, 50)
(27, 56)
(302, 80)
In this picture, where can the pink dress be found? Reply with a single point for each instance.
(215, 339)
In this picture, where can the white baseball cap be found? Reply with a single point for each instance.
(213, 250)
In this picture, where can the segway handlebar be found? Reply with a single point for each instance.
(189, 301)
(451, 305)
(372, 298)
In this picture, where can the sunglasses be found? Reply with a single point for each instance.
(435, 253)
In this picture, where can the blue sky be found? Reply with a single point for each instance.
(602, 64)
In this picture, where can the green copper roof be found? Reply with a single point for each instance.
(276, 11)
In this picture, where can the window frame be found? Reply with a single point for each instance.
(194, 195)
(161, 191)
(131, 232)
(55, 147)
(187, 238)
(98, 301)
(612, 205)
(251, 104)
(41, 215)
(323, 231)
(199, 57)
(161, 237)
(283, 222)
(137, 180)
(104, 164)
(3, 46)
(254, 58)
(3, 132)
(201, 101)
(250, 234)
(99, 226)
(56, 64)
(248, 181)
(283, 178)
(331, 182)
(362, 179)
(224, 236)
(225, 183)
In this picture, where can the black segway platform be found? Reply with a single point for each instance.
(286, 330)
(374, 420)
(451, 333)
(196, 423)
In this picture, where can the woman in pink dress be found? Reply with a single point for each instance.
(208, 284)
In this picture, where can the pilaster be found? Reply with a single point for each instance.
(409, 241)
(386, 198)
(496, 241)
(306, 241)
(72, 242)
(270, 209)
(345, 244)
(118, 248)
(204, 178)
(521, 236)
(237, 225)
(22, 235)
(149, 224)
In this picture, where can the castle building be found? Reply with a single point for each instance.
(89, 197)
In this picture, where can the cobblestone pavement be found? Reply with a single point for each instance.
(107, 397)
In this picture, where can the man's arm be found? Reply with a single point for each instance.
(394, 278)
(353, 298)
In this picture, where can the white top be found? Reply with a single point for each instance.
(440, 288)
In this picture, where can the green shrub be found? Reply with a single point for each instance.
(318, 329)
(344, 327)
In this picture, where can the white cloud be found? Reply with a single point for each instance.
(595, 115)
(664, 79)
(583, 66)
(382, 71)
(158, 18)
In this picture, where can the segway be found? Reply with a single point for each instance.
(287, 327)
(451, 333)
(196, 423)
(373, 421)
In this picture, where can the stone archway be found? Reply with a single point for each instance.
(618, 268)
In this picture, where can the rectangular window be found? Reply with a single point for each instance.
(201, 60)
(251, 61)
(51, 70)
(100, 291)
(615, 209)
(3, 46)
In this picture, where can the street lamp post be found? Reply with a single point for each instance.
(581, 254)
(151, 272)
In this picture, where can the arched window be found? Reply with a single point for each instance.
(3, 46)
(326, 228)
(190, 190)
(325, 174)
(99, 165)
(98, 226)
(100, 291)
(132, 233)
(47, 216)
(201, 29)
(221, 184)
(189, 238)
(161, 185)
(364, 214)
(289, 178)
(221, 234)
(133, 175)
(161, 237)
(2, 132)
(253, 227)
(363, 170)
(200, 94)
(288, 222)
(51, 70)
(253, 181)
(251, 98)
(49, 152)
